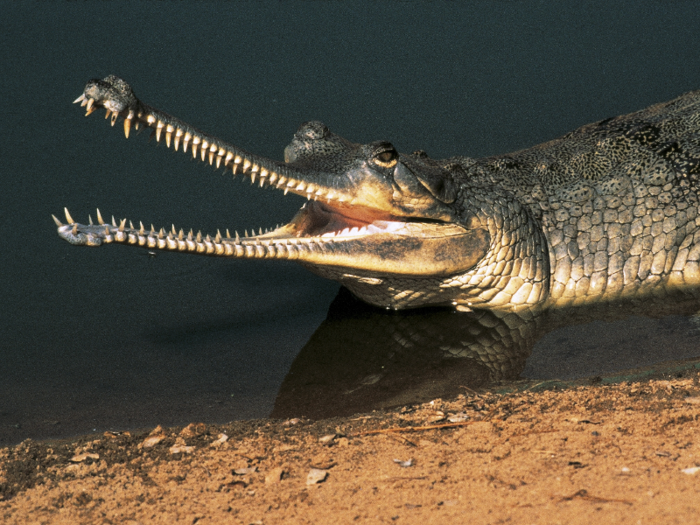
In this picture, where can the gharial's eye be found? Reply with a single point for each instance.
(386, 158)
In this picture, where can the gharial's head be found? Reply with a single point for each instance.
(398, 230)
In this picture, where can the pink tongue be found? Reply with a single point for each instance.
(338, 223)
(331, 220)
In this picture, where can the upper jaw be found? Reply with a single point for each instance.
(326, 167)
(117, 97)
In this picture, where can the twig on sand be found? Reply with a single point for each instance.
(396, 430)
(583, 494)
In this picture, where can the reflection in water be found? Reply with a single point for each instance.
(363, 358)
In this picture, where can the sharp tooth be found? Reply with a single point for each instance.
(286, 190)
(89, 109)
(229, 156)
(168, 133)
(114, 221)
(127, 126)
(79, 99)
(195, 142)
(173, 230)
(273, 177)
(131, 225)
(114, 118)
(178, 134)
(159, 128)
(68, 217)
(58, 223)
(108, 113)
(199, 236)
(238, 239)
(217, 239)
(260, 231)
(99, 217)
(122, 225)
(186, 141)
(252, 178)
(219, 156)
(205, 146)
(142, 230)
(161, 234)
(246, 165)
(228, 234)
(90, 220)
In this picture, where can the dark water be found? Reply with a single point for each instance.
(111, 338)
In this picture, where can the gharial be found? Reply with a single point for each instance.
(607, 212)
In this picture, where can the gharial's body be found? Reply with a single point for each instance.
(609, 211)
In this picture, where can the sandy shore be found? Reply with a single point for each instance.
(624, 453)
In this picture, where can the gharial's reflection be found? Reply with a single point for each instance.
(363, 358)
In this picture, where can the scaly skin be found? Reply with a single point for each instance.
(607, 212)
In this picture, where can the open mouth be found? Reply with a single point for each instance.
(346, 223)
